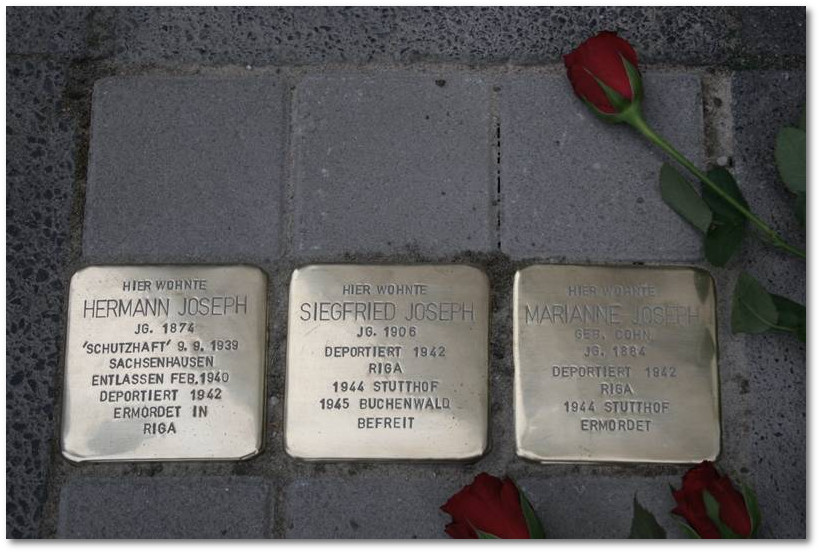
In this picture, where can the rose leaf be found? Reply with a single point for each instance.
(713, 512)
(485, 535)
(750, 499)
(800, 207)
(534, 527)
(644, 524)
(790, 154)
(682, 197)
(753, 309)
(728, 226)
(791, 316)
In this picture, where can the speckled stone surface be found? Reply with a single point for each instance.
(577, 188)
(765, 101)
(185, 167)
(39, 190)
(774, 30)
(166, 508)
(397, 34)
(59, 31)
(393, 161)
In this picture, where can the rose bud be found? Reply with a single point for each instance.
(712, 507)
(604, 74)
(491, 508)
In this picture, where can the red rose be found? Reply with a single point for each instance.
(733, 509)
(605, 60)
(489, 505)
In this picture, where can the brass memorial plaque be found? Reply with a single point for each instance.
(387, 362)
(165, 363)
(615, 364)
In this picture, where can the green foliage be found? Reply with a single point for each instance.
(752, 508)
(800, 208)
(728, 226)
(689, 531)
(713, 512)
(485, 535)
(791, 316)
(644, 524)
(536, 530)
(684, 199)
(755, 310)
(790, 154)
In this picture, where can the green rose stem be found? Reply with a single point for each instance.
(632, 116)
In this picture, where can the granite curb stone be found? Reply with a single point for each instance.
(774, 30)
(390, 162)
(54, 30)
(185, 168)
(575, 187)
(491, 34)
(40, 143)
(764, 102)
(163, 508)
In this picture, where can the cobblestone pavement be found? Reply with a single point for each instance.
(450, 135)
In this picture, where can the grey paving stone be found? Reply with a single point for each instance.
(129, 508)
(774, 30)
(56, 30)
(384, 162)
(598, 506)
(764, 102)
(40, 143)
(367, 507)
(573, 186)
(185, 168)
(260, 36)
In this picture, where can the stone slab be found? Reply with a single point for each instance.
(596, 506)
(56, 30)
(185, 168)
(764, 101)
(40, 145)
(491, 34)
(774, 30)
(574, 186)
(387, 162)
(165, 508)
(400, 507)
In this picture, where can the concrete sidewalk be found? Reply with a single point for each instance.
(283, 136)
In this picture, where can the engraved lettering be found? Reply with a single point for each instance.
(142, 307)
(214, 306)
(562, 313)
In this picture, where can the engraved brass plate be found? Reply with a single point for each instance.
(615, 364)
(387, 362)
(165, 363)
